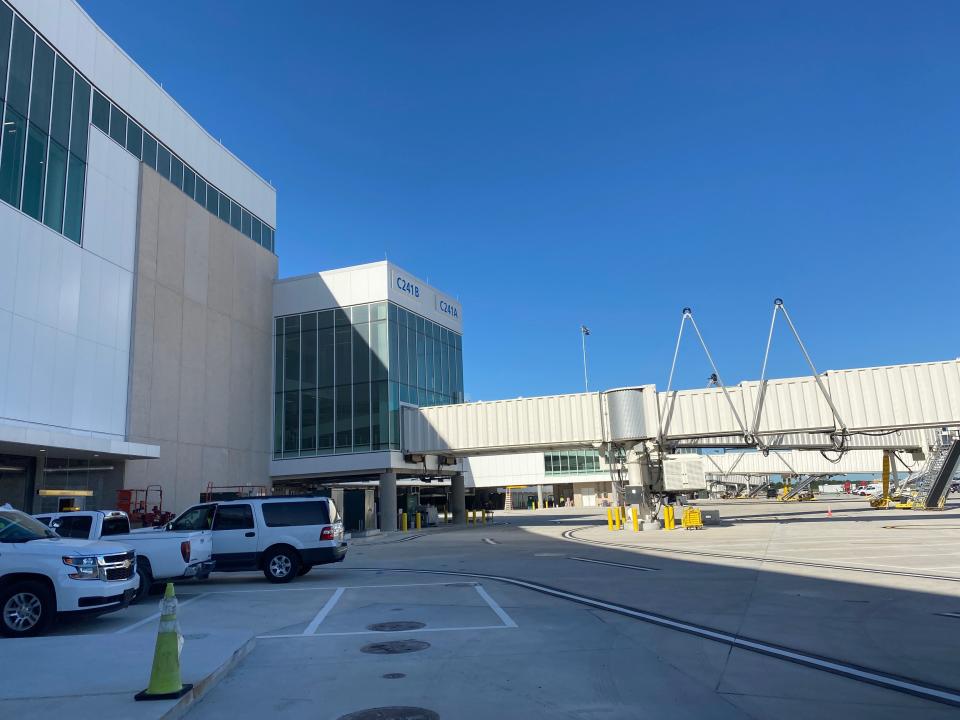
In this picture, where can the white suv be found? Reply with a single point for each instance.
(282, 536)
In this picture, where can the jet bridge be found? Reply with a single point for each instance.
(639, 428)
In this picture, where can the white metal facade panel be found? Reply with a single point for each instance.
(804, 462)
(682, 473)
(68, 27)
(556, 421)
(919, 395)
(65, 315)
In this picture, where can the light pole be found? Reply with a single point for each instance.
(584, 331)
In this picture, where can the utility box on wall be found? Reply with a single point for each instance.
(683, 473)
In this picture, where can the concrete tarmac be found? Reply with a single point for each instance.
(864, 588)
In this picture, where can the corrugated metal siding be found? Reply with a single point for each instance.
(555, 421)
(795, 413)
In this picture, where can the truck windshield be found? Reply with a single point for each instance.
(199, 517)
(16, 527)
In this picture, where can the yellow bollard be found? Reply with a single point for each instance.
(165, 681)
(473, 517)
(636, 519)
(609, 518)
(403, 522)
(483, 517)
(668, 517)
(417, 520)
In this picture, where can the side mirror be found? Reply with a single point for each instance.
(55, 523)
(168, 526)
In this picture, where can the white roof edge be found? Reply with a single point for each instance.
(160, 87)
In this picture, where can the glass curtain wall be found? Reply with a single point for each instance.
(572, 462)
(47, 109)
(340, 377)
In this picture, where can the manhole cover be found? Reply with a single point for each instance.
(395, 647)
(394, 676)
(396, 626)
(392, 713)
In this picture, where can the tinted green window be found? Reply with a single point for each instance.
(62, 98)
(245, 222)
(118, 125)
(163, 161)
(33, 172)
(213, 199)
(11, 158)
(56, 186)
(73, 212)
(308, 421)
(81, 118)
(21, 58)
(361, 417)
(343, 402)
(189, 181)
(6, 23)
(134, 139)
(325, 350)
(176, 171)
(101, 112)
(224, 210)
(150, 150)
(235, 219)
(325, 419)
(291, 354)
(277, 424)
(255, 228)
(342, 349)
(42, 89)
(291, 422)
(200, 194)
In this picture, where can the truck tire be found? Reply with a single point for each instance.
(281, 564)
(146, 580)
(27, 607)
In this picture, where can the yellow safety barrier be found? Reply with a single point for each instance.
(636, 519)
(403, 522)
(669, 517)
(165, 681)
(417, 520)
(609, 518)
(692, 519)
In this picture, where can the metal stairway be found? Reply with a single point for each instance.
(931, 488)
(756, 491)
(796, 490)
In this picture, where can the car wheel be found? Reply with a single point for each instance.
(281, 565)
(26, 608)
(304, 570)
(146, 580)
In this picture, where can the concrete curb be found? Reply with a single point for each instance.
(201, 688)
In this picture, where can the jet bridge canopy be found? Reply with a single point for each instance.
(875, 408)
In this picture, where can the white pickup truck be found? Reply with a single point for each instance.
(43, 575)
(161, 556)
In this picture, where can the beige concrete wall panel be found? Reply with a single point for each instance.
(165, 378)
(197, 254)
(148, 225)
(171, 238)
(217, 389)
(220, 287)
(190, 480)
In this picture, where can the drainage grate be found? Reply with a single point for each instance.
(392, 713)
(395, 647)
(396, 626)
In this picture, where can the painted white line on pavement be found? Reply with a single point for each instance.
(386, 632)
(614, 564)
(156, 615)
(490, 541)
(324, 611)
(501, 613)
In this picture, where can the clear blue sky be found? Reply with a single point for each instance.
(555, 163)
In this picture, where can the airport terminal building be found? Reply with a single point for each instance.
(145, 339)
(136, 279)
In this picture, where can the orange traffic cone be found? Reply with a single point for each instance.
(829, 511)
